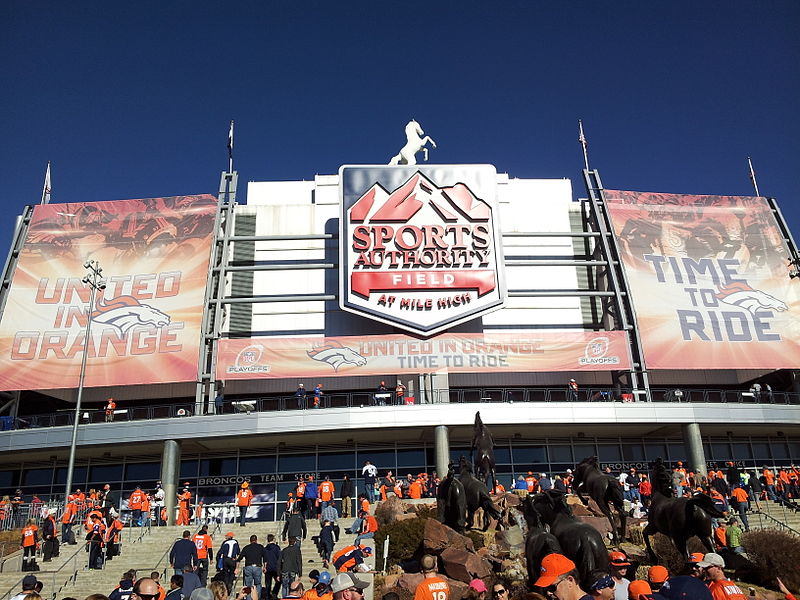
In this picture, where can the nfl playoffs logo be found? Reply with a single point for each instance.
(420, 245)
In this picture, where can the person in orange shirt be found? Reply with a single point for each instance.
(769, 482)
(110, 406)
(368, 528)
(112, 535)
(721, 588)
(415, 489)
(95, 539)
(29, 544)
(720, 536)
(146, 504)
(203, 542)
(184, 503)
(326, 492)
(67, 521)
(739, 502)
(532, 482)
(135, 504)
(398, 489)
(498, 488)
(432, 587)
(364, 503)
(244, 497)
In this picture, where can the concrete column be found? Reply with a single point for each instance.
(170, 471)
(441, 442)
(694, 448)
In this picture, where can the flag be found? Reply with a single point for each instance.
(46, 188)
(584, 145)
(230, 142)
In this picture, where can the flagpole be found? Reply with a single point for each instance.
(230, 148)
(753, 176)
(584, 145)
(46, 187)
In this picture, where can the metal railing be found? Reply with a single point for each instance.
(458, 396)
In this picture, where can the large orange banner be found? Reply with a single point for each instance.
(278, 357)
(709, 280)
(146, 323)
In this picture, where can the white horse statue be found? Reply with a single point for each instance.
(414, 144)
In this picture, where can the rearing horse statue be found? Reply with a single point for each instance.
(483, 452)
(414, 143)
(604, 490)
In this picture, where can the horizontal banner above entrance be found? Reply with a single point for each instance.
(278, 357)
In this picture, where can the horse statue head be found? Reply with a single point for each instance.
(551, 503)
(413, 130)
(532, 516)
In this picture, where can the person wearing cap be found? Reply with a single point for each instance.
(479, 588)
(603, 586)
(656, 576)
(29, 584)
(560, 578)
(619, 567)
(572, 391)
(244, 497)
(290, 565)
(184, 505)
(321, 589)
(432, 587)
(720, 587)
(694, 559)
(226, 559)
(350, 558)
(639, 589)
(545, 482)
(49, 535)
(346, 586)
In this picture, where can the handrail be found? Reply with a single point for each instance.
(73, 575)
(353, 399)
(779, 522)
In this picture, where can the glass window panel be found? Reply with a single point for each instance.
(410, 457)
(188, 469)
(383, 459)
(677, 452)
(720, 451)
(78, 476)
(529, 455)
(779, 450)
(655, 451)
(456, 452)
(584, 451)
(502, 454)
(761, 450)
(297, 463)
(105, 473)
(256, 464)
(609, 452)
(37, 477)
(632, 452)
(741, 451)
(794, 451)
(336, 461)
(211, 467)
(561, 453)
(8, 478)
(138, 472)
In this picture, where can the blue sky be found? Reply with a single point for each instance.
(132, 100)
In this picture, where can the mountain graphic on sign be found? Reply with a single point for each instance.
(419, 193)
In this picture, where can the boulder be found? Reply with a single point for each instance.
(600, 523)
(438, 536)
(511, 539)
(510, 499)
(408, 581)
(464, 566)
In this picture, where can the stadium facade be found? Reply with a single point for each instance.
(456, 288)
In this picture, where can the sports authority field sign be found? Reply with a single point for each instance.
(420, 245)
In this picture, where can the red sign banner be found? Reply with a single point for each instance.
(366, 283)
(146, 322)
(709, 280)
(278, 357)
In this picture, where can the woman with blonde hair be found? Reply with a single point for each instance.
(219, 590)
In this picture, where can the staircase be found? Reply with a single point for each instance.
(68, 575)
(787, 519)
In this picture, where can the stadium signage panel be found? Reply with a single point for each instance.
(420, 245)
(146, 323)
(709, 280)
(282, 357)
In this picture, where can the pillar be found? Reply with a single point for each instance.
(694, 448)
(170, 471)
(441, 443)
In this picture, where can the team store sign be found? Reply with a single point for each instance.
(420, 245)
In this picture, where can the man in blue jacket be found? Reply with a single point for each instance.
(183, 554)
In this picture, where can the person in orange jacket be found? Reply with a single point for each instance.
(146, 503)
(68, 520)
(244, 497)
(112, 536)
(327, 491)
(29, 544)
(135, 504)
(203, 542)
(95, 539)
(415, 489)
(184, 504)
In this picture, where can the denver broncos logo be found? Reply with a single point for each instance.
(742, 295)
(126, 312)
(337, 355)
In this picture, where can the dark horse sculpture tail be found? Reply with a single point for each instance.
(483, 452)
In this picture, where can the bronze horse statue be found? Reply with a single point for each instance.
(538, 542)
(451, 502)
(477, 495)
(604, 490)
(581, 542)
(483, 452)
(678, 518)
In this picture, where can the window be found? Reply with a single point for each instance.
(336, 461)
(502, 454)
(609, 453)
(632, 452)
(78, 476)
(297, 463)
(101, 474)
(655, 451)
(210, 467)
(138, 472)
(256, 464)
(188, 469)
(741, 451)
(561, 454)
(37, 477)
(407, 458)
(526, 456)
(720, 451)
